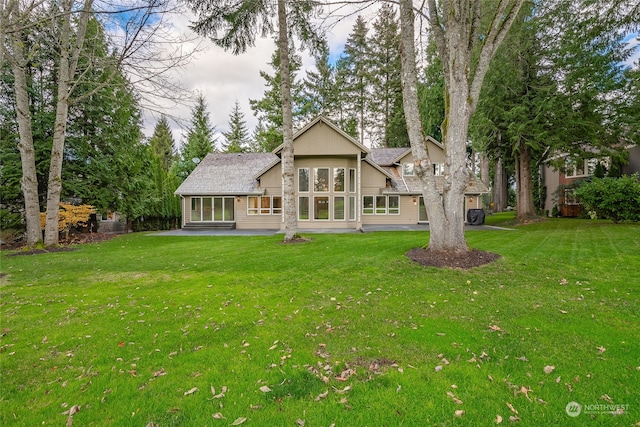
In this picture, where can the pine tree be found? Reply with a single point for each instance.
(162, 144)
(200, 140)
(386, 84)
(237, 138)
(321, 93)
(268, 110)
(356, 64)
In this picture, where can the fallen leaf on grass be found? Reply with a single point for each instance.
(606, 398)
(510, 406)
(601, 349)
(548, 369)
(498, 419)
(265, 389)
(455, 399)
(343, 391)
(300, 422)
(188, 392)
(322, 395)
(514, 418)
(71, 412)
(239, 421)
(459, 412)
(524, 390)
(159, 373)
(219, 395)
(438, 368)
(218, 416)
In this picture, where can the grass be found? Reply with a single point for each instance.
(342, 330)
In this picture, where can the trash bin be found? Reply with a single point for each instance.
(475, 216)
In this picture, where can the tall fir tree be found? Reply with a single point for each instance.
(162, 144)
(386, 84)
(200, 139)
(268, 110)
(355, 63)
(237, 137)
(321, 93)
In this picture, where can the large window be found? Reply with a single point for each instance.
(321, 180)
(352, 208)
(264, 205)
(338, 208)
(303, 180)
(352, 180)
(438, 169)
(321, 208)
(338, 180)
(303, 208)
(208, 209)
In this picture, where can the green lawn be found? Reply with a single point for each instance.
(343, 330)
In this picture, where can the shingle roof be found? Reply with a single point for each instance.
(388, 156)
(226, 174)
(412, 185)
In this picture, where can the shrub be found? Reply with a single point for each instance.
(614, 198)
(70, 216)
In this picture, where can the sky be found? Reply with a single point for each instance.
(223, 78)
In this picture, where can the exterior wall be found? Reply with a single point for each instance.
(551, 182)
(321, 139)
(634, 161)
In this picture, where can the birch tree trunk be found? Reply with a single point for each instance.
(288, 186)
(29, 180)
(70, 48)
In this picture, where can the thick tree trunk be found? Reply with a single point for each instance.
(524, 185)
(500, 187)
(29, 180)
(288, 184)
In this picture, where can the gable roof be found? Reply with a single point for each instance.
(388, 156)
(329, 123)
(227, 174)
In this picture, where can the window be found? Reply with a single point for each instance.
(381, 205)
(407, 169)
(265, 205)
(438, 169)
(367, 205)
(352, 208)
(422, 216)
(352, 180)
(378, 205)
(394, 205)
(574, 167)
(321, 180)
(303, 208)
(570, 197)
(321, 208)
(303, 180)
(208, 209)
(276, 206)
(338, 180)
(196, 209)
(338, 208)
(253, 204)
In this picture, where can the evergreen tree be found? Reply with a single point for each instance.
(268, 110)
(386, 85)
(321, 93)
(200, 140)
(162, 144)
(236, 139)
(355, 63)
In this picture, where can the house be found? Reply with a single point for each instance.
(339, 183)
(559, 182)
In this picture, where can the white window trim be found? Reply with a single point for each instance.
(344, 208)
(328, 208)
(329, 179)
(309, 183)
(308, 208)
(344, 177)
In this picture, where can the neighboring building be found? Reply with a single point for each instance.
(558, 182)
(339, 184)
